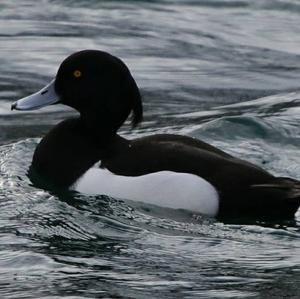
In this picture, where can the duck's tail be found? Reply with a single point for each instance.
(278, 199)
(282, 196)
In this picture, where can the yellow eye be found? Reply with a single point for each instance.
(77, 73)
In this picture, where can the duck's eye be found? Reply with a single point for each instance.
(77, 73)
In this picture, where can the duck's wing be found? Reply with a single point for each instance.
(182, 154)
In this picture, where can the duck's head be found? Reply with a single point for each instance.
(98, 85)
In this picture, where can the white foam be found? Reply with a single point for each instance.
(165, 188)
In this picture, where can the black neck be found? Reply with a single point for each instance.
(71, 148)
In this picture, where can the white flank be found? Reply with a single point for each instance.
(165, 188)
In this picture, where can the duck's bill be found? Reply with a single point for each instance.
(46, 96)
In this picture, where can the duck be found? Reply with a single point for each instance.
(87, 154)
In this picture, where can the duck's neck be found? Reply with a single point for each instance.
(70, 149)
(101, 125)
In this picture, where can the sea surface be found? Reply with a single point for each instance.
(227, 72)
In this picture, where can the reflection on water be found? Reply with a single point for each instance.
(197, 63)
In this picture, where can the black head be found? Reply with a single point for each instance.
(100, 87)
(96, 84)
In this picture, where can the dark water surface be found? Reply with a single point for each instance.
(227, 72)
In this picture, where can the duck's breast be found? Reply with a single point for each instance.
(165, 188)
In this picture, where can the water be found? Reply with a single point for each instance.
(224, 71)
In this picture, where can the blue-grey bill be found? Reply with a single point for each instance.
(46, 96)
